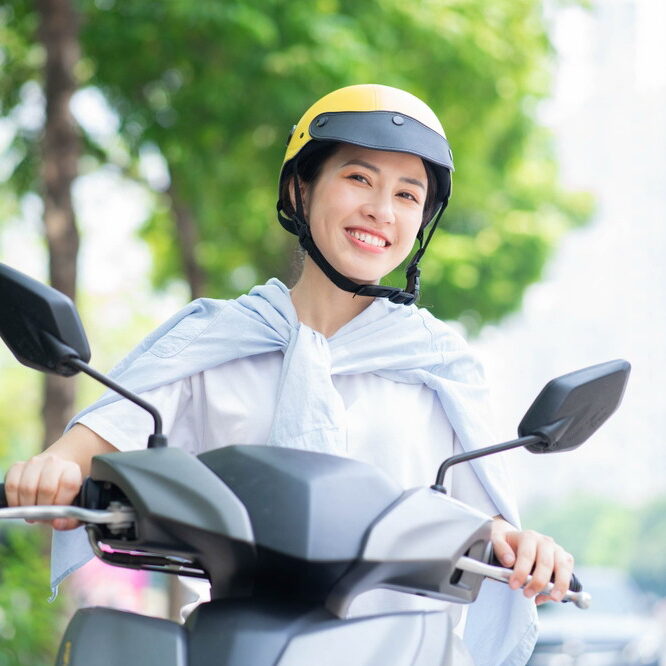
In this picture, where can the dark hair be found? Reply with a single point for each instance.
(311, 160)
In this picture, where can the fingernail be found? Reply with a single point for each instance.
(556, 595)
(507, 559)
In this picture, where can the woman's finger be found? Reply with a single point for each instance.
(525, 557)
(68, 486)
(543, 566)
(69, 483)
(503, 549)
(29, 482)
(62, 524)
(49, 479)
(564, 563)
(12, 481)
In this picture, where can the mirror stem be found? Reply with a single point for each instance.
(155, 440)
(479, 453)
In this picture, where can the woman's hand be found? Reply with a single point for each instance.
(45, 479)
(529, 552)
(55, 475)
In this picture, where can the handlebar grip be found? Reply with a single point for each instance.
(574, 584)
(87, 494)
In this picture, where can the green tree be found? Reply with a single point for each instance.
(215, 87)
(648, 564)
(601, 532)
(40, 43)
(29, 627)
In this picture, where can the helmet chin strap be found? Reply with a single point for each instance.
(405, 297)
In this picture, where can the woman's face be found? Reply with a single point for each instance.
(365, 209)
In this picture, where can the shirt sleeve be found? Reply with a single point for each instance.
(127, 426)
(465, 485)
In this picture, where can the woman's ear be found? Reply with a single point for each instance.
(305, 191)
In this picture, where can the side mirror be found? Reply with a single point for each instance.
(42, 329)
(571, 408)
(40, 325)
(566, 412)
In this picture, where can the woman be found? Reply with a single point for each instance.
(338, 364)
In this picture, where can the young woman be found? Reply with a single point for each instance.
(339, 363)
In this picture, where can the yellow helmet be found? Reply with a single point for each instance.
(378, 117)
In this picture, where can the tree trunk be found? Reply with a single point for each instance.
(188, 237)
(60, 147)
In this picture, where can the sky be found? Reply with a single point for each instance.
(603, 294)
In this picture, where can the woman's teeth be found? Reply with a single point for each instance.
(367, 238)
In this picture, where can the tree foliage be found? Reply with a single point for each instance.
(29, 625)
(601, 532)
(215, 87)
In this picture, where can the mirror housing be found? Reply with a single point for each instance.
(40, 325)
(572, 407)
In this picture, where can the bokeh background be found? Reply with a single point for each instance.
(140, 144)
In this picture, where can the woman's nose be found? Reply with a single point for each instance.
(379, 208)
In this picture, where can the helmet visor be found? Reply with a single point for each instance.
(383, 130)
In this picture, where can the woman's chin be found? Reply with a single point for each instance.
(360, 279)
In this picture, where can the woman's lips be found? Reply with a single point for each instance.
(368, 241)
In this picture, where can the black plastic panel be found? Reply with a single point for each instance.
(183, 509)
(572, 407)
(30, 309)
(285, 633)
(107, 637)
(306, 505)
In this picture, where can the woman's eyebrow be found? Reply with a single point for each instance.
(372, 167)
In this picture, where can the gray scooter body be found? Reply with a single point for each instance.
(243, 632)
(299, 535)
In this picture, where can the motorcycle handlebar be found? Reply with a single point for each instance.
(502, 574)
(87, 491)
(574, 584)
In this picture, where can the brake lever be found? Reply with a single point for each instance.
(117, 516)
(580, 599)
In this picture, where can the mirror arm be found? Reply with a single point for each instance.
(68, 359)
(157, 439)
(479, 453)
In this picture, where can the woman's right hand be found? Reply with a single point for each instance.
(45, 479)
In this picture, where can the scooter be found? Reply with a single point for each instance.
(287, 538)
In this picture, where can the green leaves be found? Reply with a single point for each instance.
(29, 624)
(601, 532)
(214, 88)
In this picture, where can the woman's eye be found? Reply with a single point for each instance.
(358, 177)
(408, 195)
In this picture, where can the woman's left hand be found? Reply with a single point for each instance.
(529, 552)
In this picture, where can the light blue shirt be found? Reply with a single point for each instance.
(402, 344)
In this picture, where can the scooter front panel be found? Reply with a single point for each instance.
(108, 637)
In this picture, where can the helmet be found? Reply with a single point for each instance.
(378, 117)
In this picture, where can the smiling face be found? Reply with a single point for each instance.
(365, 209)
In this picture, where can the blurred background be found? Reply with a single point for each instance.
(140, 144)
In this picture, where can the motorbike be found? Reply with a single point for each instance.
(287, 538)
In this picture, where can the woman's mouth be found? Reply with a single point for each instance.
(367, 240)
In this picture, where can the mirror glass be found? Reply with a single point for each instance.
(570, 408)
(39, 324)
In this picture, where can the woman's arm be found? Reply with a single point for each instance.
(55, 475)
(530, 552)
